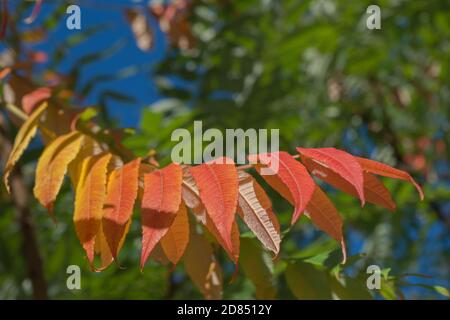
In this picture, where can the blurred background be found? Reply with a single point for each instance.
(309, 68)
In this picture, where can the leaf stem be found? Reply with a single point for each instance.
(16, 111)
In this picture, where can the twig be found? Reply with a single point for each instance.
(16, 111)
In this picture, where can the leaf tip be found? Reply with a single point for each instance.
(51, 212)
(295, 216)
(6, 180)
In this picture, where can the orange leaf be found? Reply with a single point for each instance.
(292, 181)
(382, 169)
(159, 255)
(202, 267)
(52, 167)
(119, 203)
(30, 100)
(23, 137)
(102, 247)
(255, 208)
(160, 202)
(323, 213)
(89, 200)
(175, 241)
(341, 162)
(374, 191)
(232, 253)
(218, 187)
(377, 193)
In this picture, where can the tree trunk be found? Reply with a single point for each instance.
(30, 247)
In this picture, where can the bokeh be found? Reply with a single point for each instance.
(311, 69)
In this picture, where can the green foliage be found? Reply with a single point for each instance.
(312, 69)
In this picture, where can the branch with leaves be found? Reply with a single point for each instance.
(109, 182)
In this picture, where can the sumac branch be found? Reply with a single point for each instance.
(108, 183)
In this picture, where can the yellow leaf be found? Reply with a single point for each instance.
(89, 147)
(52, 167)
(89, 200)
(26, 132)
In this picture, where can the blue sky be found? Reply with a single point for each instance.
(139, 85)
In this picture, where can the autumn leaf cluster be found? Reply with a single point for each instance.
(174, 200)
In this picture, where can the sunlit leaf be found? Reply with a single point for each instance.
(341, 162)
(160, 203)
(23, 137)
(175, 241)
(119, 202)
(296, 185)
(89, 200)
(52, 167)
(218, 187)
(387, 171)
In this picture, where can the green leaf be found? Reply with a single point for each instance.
(388, 290)
(308, 282)
(347, 288)
(258, 266)
(442, 290)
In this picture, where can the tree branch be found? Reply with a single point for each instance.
(29, 242)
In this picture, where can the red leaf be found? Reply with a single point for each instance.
(218, 187)
(382, 169)
(118, 208)
(374, 191)
(377, 193)
(324, 214)
(235, 236)
(160, 202)
(296, 184)
(191, 197)
(32, 99)
(341, 162)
